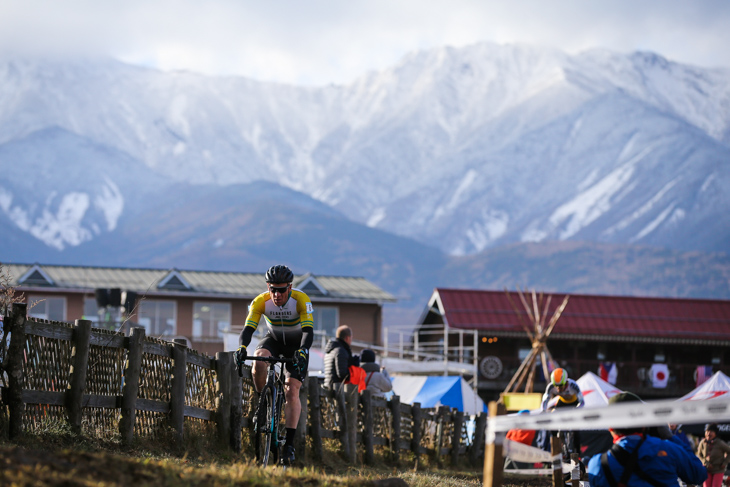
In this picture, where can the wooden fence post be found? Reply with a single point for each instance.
(395, 438)
(236, 408)
(417, 415)
(77, 376)
(177, 393)
(367, 434)
(300, 437)
(441, 418)
(556, 448)
(15, 325)
(315, 418)
(130, 390)
(493, 461)
(341, 402)
(223, 397)
(352, 399)
(477, 446)
(458, 420)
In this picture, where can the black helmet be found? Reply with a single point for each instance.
(279, 273)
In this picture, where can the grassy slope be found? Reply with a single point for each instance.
(65, 461)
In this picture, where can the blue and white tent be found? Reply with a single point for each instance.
(432, 391)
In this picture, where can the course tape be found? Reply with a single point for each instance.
(624, 415)
(520, 452)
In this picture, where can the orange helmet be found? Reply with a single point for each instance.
(559, 377)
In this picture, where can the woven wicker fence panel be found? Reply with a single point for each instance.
(155, 377)
(406, 426)
(46, 363)
(382, 422)
(329, 413)
(39, 418)
(149, 424)
(105, 370)
(200, 385)
(465, 438)
(429, 429)
(101, 423)
(447, 434)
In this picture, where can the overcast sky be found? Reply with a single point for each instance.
(316, 42)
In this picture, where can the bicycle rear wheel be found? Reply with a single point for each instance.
(263, 429)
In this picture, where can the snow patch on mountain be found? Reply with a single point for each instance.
(110, 202)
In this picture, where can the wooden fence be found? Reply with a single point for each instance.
(107, 385)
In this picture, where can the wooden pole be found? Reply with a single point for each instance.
(15, 324)
(458, 420)
(77, 377)
(396, 432)
(367, 434)
(352, 397)
(417, 415)
(493, 462)
(177, 392)
(556, 448)
(315, 418)
(477, 447)
(131, 385)
(223, 361)
(237, 408)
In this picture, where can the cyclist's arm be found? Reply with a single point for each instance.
(255, 310)
(304, 307)
(546, 398)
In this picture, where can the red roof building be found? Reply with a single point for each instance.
(634, 333)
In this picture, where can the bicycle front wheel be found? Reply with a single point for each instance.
(264, 426)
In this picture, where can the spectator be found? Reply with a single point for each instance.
(338, 358)
(526, 437)
(376, 377)
(713, 452)
(638, 458)
(676, 430)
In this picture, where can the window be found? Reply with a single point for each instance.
(91, 310)
(47, 308)
(158, 317)
(326, 319)
(210, 320)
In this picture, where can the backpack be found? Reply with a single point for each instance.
(357, 377)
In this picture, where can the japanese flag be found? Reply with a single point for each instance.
(659, 376)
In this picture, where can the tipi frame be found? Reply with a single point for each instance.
(538, 329)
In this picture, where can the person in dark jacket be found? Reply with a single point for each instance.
(655, 461)
(338, 358)
(377, 379)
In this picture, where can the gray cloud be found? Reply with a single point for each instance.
(322, 41)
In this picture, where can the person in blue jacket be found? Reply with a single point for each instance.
(638, 458)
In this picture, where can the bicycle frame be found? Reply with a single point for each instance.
(269, 410)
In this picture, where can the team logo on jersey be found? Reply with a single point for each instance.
(310, 310)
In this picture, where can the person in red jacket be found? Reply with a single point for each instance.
(521, 436)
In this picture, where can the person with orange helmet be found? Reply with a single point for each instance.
(561, 391)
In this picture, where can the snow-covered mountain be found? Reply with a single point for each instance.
(461, 149)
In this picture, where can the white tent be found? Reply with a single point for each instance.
(596, 391)
(432, 391)
(716, 386)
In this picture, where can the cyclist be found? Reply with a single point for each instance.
(566, 390)
(288, 314)
(563, 392)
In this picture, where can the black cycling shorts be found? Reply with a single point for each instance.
(278, 349)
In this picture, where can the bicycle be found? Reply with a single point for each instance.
(268, 428)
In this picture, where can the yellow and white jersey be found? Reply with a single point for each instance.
(285, 322)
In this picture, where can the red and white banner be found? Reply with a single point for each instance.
(659, 376)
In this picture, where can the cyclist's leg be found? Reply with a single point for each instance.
(294, 379)
(260, 369)
(293, 407)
